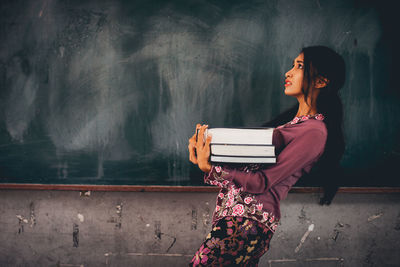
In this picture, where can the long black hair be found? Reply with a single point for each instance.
(321, 62)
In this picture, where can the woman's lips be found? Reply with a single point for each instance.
(287, 83)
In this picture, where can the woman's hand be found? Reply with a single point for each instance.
(200, 148)
(192, 146)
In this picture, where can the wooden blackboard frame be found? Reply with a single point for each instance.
(176, 189)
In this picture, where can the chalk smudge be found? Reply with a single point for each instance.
(303, 239)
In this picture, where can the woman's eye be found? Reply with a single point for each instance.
(300, 66)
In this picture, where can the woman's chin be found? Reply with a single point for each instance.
(289, 92)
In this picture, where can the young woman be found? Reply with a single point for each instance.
(248, 205)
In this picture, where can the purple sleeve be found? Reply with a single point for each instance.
(299, 153)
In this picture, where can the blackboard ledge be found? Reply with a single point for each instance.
(159, 188)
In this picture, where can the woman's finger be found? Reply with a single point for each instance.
(192, 154)
(192, 149)
(197, 127)
(196, 131)
(193, 160)
(203, 154)
(200, 138)
(192, 146)
(192, 139)
(207, 144)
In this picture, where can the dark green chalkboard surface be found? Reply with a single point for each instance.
(109, 92)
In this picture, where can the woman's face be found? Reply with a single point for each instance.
(294, 77)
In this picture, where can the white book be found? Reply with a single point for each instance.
(243, 136)
(243, 150)
(227, 159)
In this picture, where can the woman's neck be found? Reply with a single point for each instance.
(305, 109)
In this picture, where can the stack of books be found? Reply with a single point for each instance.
(241, 145)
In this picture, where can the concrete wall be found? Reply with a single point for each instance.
(67, 228)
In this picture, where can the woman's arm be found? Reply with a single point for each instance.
(299, 153)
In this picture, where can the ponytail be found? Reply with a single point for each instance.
(328, 168)
(323, 62)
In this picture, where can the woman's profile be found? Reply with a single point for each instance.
(248, 204)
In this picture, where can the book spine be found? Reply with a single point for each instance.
(241, 150)
(243, 159)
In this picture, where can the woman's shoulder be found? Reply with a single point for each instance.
(312, 132)
(309, 127)
(314, 125)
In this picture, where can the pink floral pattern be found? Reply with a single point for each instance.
(201, 255)
(248, 200)
(319, 117)
(229, 203)
(234, 241)
(233, 201)
(238, 210)
(295, 120)
(272, 219)
(218, 169)
(298, 119)
(304, 118)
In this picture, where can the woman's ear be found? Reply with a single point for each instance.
(321, 82)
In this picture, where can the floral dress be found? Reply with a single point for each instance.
(242, 228)
(233, 240)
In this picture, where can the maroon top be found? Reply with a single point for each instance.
(254, 191)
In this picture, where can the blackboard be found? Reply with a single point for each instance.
(108, 92)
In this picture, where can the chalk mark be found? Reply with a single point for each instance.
(75, 235)
(194, 219)
(303, 239)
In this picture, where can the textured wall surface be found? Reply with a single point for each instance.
(74, 229)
